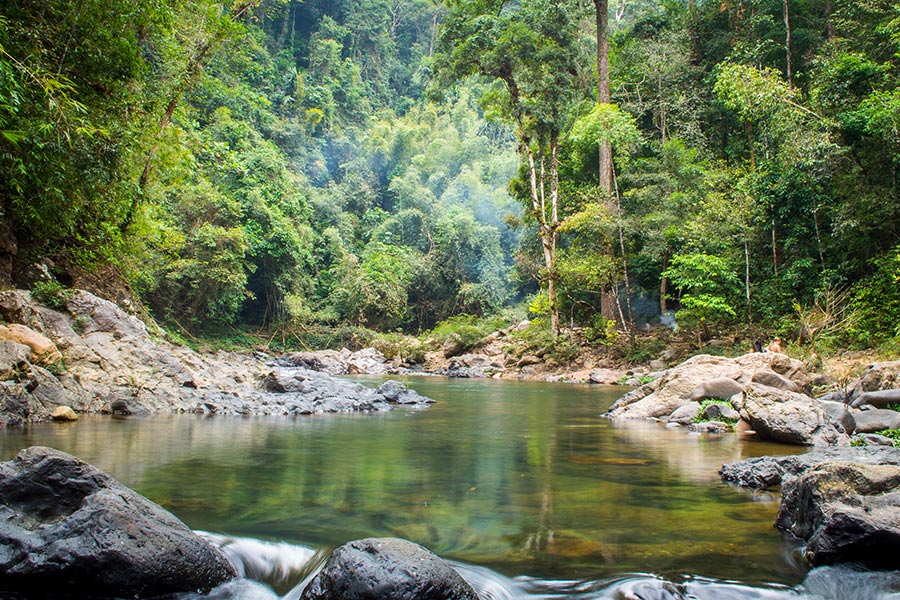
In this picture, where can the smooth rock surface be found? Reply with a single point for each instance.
(877, 419)
(386, 569)
(63, 413)
(878, 399)
(722, 388)
(68, 528)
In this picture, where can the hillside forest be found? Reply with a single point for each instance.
(393, 165)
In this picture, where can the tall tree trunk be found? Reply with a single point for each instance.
(787, 44)
(829, 25)
(605, 164)
(547, 226)
(603, 92)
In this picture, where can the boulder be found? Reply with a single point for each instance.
(63, 413)
(838, 412)
(878, 399)
(877, 419)
(685, 415)
(722, 388)
(65, 522)
(773, 379)
(871, 439)
(845, 512)
(43, 350)
(386, 569)
(790, 418)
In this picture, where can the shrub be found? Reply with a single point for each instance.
(51, 293)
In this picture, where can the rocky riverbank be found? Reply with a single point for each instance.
(769, 395)
(94, 357)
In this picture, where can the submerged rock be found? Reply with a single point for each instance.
(69, 529)
(386, 569)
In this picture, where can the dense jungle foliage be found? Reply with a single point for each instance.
(395, 163)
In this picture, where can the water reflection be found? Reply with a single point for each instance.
(523, 478)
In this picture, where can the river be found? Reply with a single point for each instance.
(521, 484)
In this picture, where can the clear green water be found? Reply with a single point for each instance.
(524, 478)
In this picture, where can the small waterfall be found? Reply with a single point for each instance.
(278, 565)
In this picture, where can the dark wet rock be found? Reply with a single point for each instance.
(721, 388)
(67, 528)
(878, 399)
(790, 418)
(845, 512)
(877, 419)
(767, 471)
(397, 393)
(14, 404)
(386, 569)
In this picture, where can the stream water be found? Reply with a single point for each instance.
(520, 484)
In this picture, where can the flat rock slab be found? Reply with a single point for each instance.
(67, 527)
(386, 569)
(767, 471)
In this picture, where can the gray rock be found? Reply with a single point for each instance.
(767, 471)
(63, 520)
(720, 412)
(877, 419)
(872, 439)
(878, 399)
(13, 356)
(386, 569)
(686, 414)
(773, 379)
(790, 418)
(840, 414)
(720, 387)
(845, 512)
(397, 393)
(878, 376)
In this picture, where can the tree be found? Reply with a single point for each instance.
(532, 51)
